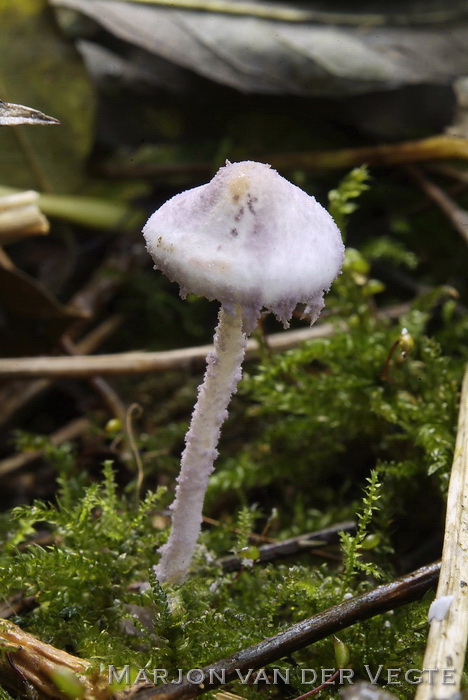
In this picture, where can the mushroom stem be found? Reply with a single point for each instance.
(214, 394)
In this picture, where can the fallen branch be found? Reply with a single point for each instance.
(125, 256)
(446, 645)
(387, 597)
(16, 604)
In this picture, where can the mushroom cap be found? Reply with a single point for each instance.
(251, 237)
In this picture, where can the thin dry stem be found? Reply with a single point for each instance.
(16, 394)
(383, 155)
(108, 395)
(140, 362)
(456, 215)
(433, 148)
(300, 635)
(446, 645)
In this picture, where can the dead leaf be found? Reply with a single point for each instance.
(31, 318)
(261, 55)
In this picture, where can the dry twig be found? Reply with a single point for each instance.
(105, 391)
(98, 291)
(140, 362)
(434, 148)
(461, 176)
(35, 660)
(457, 216)
(387, 597)
(16, 394)
(446, 646)
(253, 536)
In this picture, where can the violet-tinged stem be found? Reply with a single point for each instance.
(214, 394)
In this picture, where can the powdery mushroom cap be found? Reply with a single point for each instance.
(251, 237)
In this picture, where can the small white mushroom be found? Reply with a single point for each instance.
(253, 241)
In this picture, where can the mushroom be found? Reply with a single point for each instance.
(253, 241)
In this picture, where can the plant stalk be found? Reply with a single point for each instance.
(447, 641)
(214, 394)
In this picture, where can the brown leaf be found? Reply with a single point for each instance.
(31, 318)
(254, 53)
